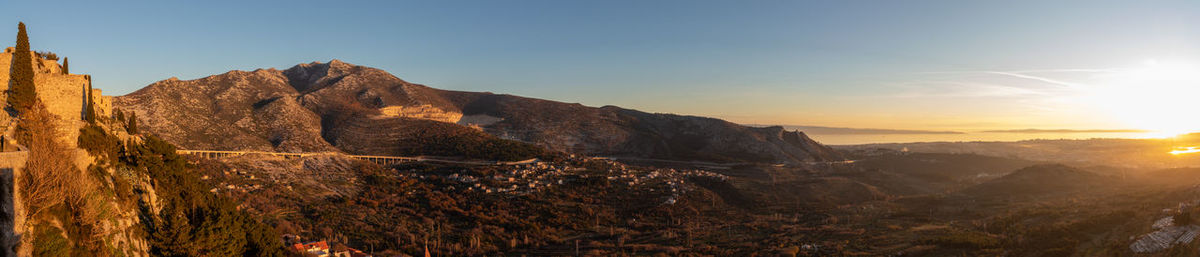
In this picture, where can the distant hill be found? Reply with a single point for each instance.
(818, 130)
(1148, 153)
(1173, 176)
(934, 172)
(338, 106)
(1042, 179)
(1060, 131)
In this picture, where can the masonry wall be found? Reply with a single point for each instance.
(39, 66)
(12, 213)
(102, 103)
(64, 95)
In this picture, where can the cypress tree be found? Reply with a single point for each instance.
(66, 69)
(90, 114)
(132, 126)
(21, 92)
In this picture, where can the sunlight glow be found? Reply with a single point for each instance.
(1154, 96)
(1186, 150)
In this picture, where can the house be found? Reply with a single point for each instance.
(318, 248)
(343, 251)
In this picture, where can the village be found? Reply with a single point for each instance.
(504, 181)
(321, 248)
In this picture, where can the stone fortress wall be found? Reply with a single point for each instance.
(63, 94)
(101, 102)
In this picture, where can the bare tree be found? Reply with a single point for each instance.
(49, 173)
(49, 177)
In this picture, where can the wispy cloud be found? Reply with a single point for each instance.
(960, 89)
(1037, 78)
(1046, 83)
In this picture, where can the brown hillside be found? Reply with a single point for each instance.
(337, 106)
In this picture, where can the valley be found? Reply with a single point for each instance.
(545, 178)
(599, 128)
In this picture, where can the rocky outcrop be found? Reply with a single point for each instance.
(338, 106)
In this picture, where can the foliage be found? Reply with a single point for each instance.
(90, 112)
(470, 143)
(50, 241)
(66, 67)
(21, 93)
(48, 176)
(406, 214)
(120, 115)
(99, 142)
(52, 188)
(132, 125)
(47, 55)
(193, 221)
(81, 219)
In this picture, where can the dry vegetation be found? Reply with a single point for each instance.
(895, 205)
(58, 196)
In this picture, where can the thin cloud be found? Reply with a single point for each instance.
(1038, 78)
(1023, 71)
(958, 89)
(1066, 71)
(999, 83)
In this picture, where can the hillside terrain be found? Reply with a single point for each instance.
(684, 185)
(336, 106)
(77, 179)
(898, 204)
(1042, 180)
(1150, 153)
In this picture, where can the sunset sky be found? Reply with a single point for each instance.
(942, 65)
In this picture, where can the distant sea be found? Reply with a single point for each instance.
(857, 139)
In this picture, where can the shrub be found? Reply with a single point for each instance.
(47, 55)
(449, 140)
(98, 142)
(194, 221)
(132, 126)
(50, 241)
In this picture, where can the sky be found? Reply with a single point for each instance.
(940, 65)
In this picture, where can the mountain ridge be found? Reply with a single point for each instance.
(337, 106)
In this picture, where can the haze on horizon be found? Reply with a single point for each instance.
(926, 65)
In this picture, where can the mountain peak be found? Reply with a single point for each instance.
(307, 77)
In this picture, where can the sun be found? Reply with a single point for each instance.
(1158, 95)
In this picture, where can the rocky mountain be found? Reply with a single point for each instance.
(337, 106)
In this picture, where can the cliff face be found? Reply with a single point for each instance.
(337, 106)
